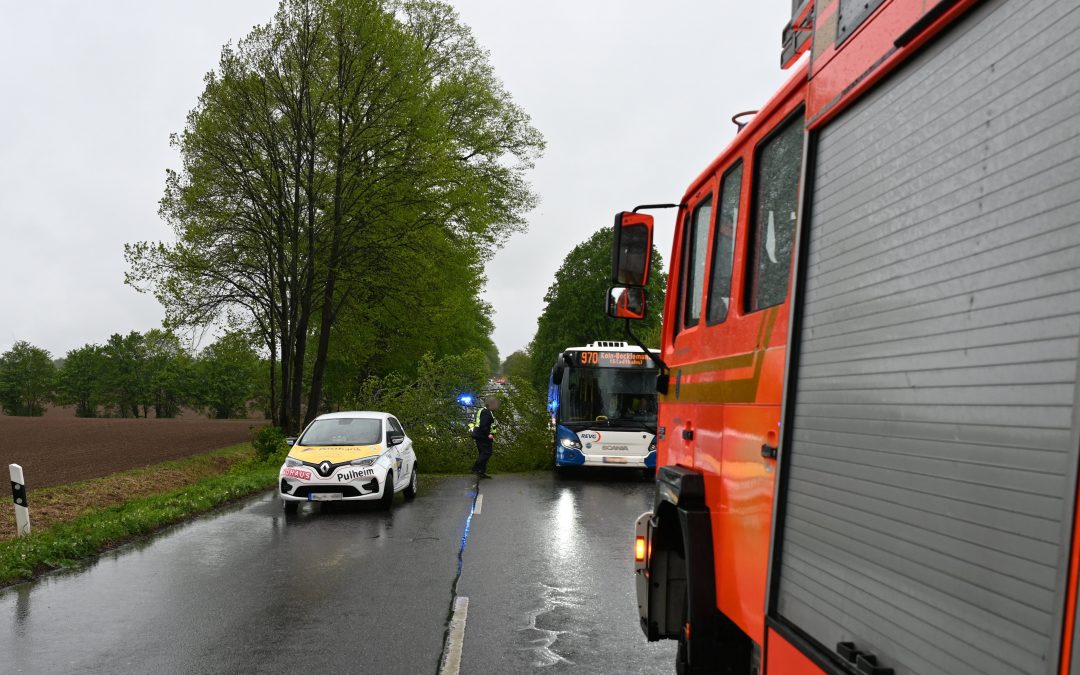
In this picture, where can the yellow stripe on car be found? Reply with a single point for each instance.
(317, 453)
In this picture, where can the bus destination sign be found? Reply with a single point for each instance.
(598, 359)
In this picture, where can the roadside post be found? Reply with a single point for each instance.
(18, 495)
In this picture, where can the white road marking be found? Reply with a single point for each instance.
(455, 640)
(479, 503)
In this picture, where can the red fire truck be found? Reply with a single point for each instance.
(869, 424)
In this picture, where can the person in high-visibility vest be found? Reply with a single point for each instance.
(483, 429)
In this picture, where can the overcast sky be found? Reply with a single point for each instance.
(633, 96)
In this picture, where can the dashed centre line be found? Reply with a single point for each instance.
(453, 644)
(455, 641)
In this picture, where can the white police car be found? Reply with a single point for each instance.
(349, 456)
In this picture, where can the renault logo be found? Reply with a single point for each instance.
(325, 468)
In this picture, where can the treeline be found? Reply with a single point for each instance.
(136, 375)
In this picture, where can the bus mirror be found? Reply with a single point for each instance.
(632, 249)
(626, 302)
(557, 372)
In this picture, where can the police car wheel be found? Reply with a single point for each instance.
(386, 502)
(290, 507)
(410, 491)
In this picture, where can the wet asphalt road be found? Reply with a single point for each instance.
(546, 567)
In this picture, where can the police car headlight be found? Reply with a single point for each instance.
(367, 461)
(292, 461)
(570, 443)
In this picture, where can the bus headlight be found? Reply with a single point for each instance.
(567, 438)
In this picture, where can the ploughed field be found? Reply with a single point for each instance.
(54, 450)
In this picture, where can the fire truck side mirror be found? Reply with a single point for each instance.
(625, 302)
(632, 249)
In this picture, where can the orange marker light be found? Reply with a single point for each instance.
(639, 549)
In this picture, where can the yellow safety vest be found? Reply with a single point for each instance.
(476, 421)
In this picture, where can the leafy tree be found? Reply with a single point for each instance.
(433, 309)
(27, 375)
(331, 148)
(518, 367)
(81, 380)
(168, 376)
(574, 311)
(228, 372)
(427, 404)
(125, 376)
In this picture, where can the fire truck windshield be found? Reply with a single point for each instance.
(618, 397)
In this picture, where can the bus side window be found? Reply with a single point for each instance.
(727, 220)
(695, 246)
(776, 193)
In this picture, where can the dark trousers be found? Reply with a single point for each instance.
(484, 446)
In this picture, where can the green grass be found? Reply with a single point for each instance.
(71, 543)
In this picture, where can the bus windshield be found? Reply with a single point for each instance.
(617, 397)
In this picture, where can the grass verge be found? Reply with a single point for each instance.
(61, 503)
(66, 544)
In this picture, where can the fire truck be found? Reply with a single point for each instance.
(869, 426)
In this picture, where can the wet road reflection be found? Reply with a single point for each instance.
(248, 590)
(344, 589)
(550, 578)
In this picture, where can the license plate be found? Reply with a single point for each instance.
(324, 496)
(615, 460)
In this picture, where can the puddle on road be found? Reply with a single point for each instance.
(554, 601)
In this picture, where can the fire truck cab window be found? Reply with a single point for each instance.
(776, 193)
(727, 220)
(695, 244)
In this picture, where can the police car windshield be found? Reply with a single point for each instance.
(343, 431)
(625, 397)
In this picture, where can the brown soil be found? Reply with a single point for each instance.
(49, 506)
(57, 450)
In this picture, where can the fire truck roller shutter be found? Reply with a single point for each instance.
(932, 440)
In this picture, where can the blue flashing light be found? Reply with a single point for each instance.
(465, 399)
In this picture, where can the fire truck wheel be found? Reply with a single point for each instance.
(682, 665)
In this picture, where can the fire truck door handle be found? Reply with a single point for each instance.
(769, 451)
(865, 663)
